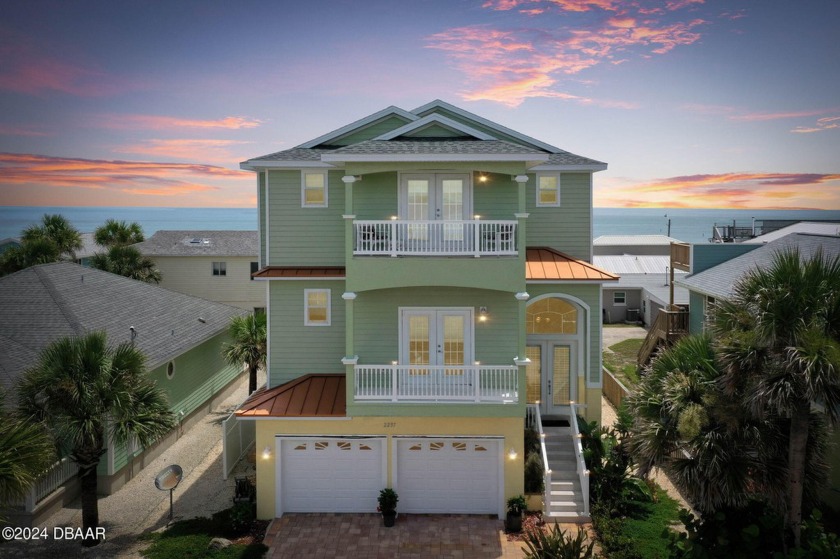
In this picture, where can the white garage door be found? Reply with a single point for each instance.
(329, 474)
(449, 475)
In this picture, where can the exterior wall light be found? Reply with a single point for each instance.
(482, 314)
(266, 453)
(394, 218)
(512, 454)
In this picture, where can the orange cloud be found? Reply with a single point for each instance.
(158, 122)
(511, 65)
(62, 178)
(6, 130)
(186, 149)
(728, 190)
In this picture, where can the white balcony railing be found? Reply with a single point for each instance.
(435, 238)
(413, 383)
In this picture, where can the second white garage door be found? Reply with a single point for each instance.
(449, 475)
(330, 474)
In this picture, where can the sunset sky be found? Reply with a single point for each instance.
(693, 103)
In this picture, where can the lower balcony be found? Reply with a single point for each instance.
(435, 238)
(445, 383)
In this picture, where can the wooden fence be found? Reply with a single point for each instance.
(613, 390)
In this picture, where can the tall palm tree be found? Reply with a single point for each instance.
(118, 233)
(128, 262)
(779, 342)
(249, 345)
(86, 392)
(26, 451)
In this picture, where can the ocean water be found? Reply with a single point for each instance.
(692, 226)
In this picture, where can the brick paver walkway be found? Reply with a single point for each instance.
(352, 536)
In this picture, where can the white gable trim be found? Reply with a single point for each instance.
(254, 165)
(361, 123)
(530, 159)
(435, 119)
(437, 103)
(591, 167)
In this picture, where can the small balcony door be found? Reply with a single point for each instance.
(551, 376)
(428, 197)
(434, 340)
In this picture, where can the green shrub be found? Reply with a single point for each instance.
(557, 545)
(534, 474)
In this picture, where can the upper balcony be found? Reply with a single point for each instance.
(434, 238)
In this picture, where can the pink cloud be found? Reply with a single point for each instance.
(31, 131)
(185, 149)
(779, 115)
(728, 190)
(823, 124)
(511, 65)
(136, 178)
(160, 122)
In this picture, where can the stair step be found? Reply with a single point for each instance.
(569, 516)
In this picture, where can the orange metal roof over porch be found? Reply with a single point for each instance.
(548, 264)
(314, 395)
(292, 272)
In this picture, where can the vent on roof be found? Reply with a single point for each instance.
(199, 241)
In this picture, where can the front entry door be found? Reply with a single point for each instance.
(551, 376)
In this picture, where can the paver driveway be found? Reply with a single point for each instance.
(357, 536)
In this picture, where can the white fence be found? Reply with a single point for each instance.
(58, 474)
(237, 437)
(435, 238)
(465, 383)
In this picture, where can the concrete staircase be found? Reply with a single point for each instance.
(566, 498)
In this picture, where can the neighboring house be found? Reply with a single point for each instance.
(716, 283)
(642, 290)
(213, 265)
(180, 335)
(89, 248)
(412, 317)
(809, 227)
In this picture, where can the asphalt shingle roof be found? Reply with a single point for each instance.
(294, 154)
(719, 280)
(43, 303)
(210, 243)
(401, 147)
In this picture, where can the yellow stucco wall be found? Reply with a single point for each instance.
(511, 429)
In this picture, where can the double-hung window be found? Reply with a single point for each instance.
(313, 189)
(316, 307)
(219, 268)
(548, 189)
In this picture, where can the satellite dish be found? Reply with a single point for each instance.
(167, 480)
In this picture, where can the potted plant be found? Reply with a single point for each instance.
(515, 507)
(388, 506)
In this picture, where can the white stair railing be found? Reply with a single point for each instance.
(534, 421)
(583, 473)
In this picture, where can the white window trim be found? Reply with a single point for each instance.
(540, 204)
(306, 320)
(222, 269)
(615, 304)
(303, 203)
(469, 332)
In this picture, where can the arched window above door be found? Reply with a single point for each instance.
(551, 316)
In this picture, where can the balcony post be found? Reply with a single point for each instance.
(350, 360)
(349, 237)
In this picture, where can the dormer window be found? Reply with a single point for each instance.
(548, 189)
(313, 189)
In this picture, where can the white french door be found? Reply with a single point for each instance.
(438, 342)
(551, 376)
(426, 197)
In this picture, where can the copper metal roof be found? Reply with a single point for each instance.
(315, 395)
(549, 264)
(300, 272)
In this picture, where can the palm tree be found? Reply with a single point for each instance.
(58, 230)
(128, 262)
(249, 345)
(118, 233)
(26, 451)
(86, 393)
(716, 452)
(779, 338)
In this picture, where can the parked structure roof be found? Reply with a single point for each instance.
(44, 303)
(200, 243)
(313, 395)
(719, 280)
(634, 240)
(548, 264)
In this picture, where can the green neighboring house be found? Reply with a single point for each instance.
(429, 284)
(180, 335)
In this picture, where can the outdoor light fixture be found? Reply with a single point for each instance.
(394, 363)
(266, 453)
(482, 314)
(512, 453)
(476, 216)
(394, 218)
(482, 178)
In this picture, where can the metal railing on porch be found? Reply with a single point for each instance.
(464, 383)
(435, 238)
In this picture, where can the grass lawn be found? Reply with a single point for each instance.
(622, 362)
(188, 539)
(645, 526)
